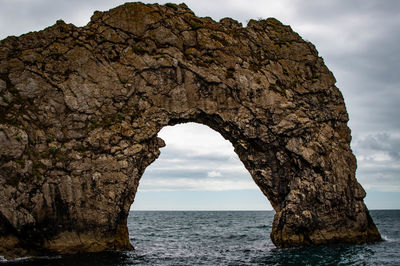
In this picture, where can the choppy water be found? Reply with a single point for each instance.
(230, 238)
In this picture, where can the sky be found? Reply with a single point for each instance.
(359, 41)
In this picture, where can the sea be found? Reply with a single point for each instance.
(229, 238)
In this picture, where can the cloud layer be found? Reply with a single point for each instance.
(379, 161)
(195, 158)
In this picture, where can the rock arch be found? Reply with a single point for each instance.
(81, 108)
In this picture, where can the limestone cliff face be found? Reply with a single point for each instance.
(80, 109)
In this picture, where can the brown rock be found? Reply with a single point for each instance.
(80, 109)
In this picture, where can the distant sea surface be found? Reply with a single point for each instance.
(229, 238)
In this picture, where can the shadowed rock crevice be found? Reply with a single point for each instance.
(80, 109)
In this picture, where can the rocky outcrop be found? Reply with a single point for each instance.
(80, 109)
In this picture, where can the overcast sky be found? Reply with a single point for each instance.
(359, 41)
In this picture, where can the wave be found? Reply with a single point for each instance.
(385, 238)
(24, 259)
(263, 226)
(3, 259)
(259, 226)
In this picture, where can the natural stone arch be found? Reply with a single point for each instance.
(81, 109)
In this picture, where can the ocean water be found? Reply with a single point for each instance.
(229, 238)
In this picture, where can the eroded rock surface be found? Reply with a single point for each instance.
(80, 109)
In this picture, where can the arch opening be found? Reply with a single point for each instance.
(199, 160)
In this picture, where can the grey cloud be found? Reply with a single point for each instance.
(370, 26)
(380, 174)
(378, 166)
(380, 142)
(182, 162)
(379, 179)
(27, 15)
(183, 168)
(373, 113)
(194, 174)
(172, 173)
(328, 10)
(190, 155)
(377, 64)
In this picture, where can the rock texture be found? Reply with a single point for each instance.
(80, 109)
